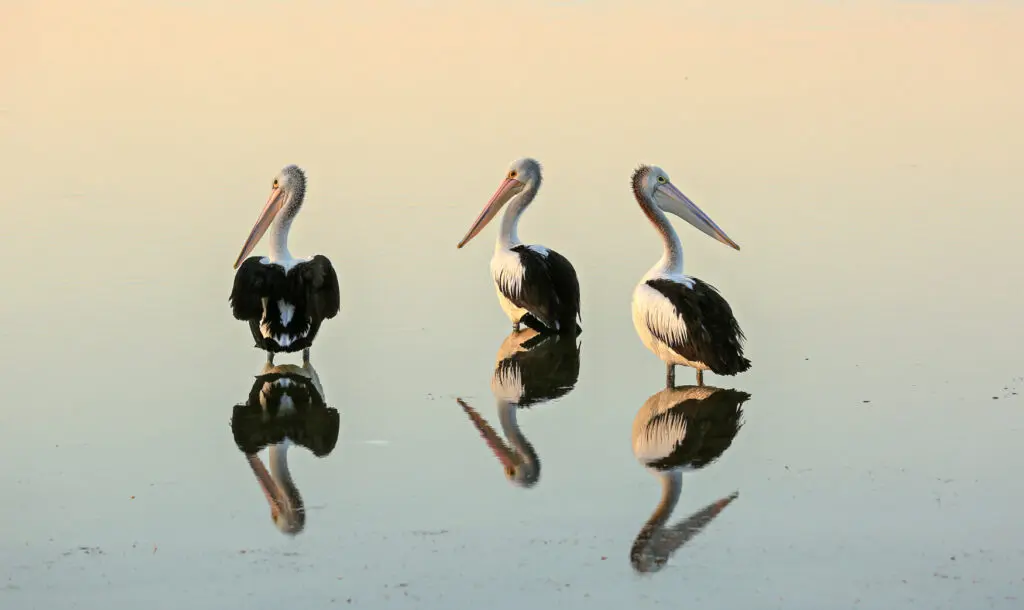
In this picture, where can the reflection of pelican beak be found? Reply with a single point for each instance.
(502, 451)
(270, 488)
(274, 203)
(286, 509)
(655, 543)
(508, 188)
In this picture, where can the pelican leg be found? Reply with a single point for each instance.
(700, 377)
(670, 376)
(305, 356)
(515, 326)
(270, 357)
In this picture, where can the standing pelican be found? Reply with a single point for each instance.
(285, 408)
(531, 369)
(284, 299)
(676, 430)
(680, 318)
(536, 286)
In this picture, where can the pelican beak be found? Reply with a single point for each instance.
(270, 488)
(670, 199)
(508, 188)
(501, 451)
(270, 211)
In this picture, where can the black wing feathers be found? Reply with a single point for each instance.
(713, 336)
(310, 287)
(321, 287)
(253, 281)
(550, 290)
(548, 371)
(711, 426)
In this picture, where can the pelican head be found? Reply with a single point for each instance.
(652, 184)
(286, 192)
(521, 174)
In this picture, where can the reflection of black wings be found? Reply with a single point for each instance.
(678, 427)
(713, 336)
(312, 424)
(710, 425)
(549, 289)
(311, 287)
(548, 370)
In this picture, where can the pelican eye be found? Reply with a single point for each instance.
(275, 183)
(512, 174)
(661, 179)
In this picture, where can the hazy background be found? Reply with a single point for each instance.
(866, 156)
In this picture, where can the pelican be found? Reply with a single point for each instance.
(284, 299)
(536, 286)
(285, 408)
(531, 369)
(677, 430)
(680, 318)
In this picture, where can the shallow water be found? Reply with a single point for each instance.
(874, 189)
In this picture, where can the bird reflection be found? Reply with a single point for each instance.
(678, 430)
(285, 407)
(531, 369)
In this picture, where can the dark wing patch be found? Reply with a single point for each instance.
(711, 425)
(311, 423)
(549, 290)
(548, 371)
(567, 285)
(321, 287)
(253, 281)
(713, 336)
(310, 287)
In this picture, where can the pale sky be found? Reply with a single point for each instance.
(831, 140)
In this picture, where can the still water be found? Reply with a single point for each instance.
(868, 459)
